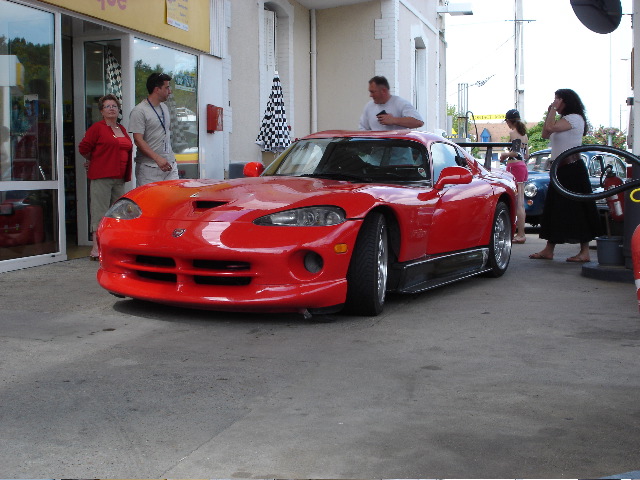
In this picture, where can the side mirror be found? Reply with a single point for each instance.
(453, 176)
(253, 169)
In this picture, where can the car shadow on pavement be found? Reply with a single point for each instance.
(169, 313)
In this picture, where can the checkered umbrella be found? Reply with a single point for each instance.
(178, 132)
(114, 78)
(274, 132)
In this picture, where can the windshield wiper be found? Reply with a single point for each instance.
(338, 176)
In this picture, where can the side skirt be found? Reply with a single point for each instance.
(421, 275)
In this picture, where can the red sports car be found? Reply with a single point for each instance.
(336, 221)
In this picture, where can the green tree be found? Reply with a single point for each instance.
(536, 142)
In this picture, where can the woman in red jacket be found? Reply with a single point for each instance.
(107, 147)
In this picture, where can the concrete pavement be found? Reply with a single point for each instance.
(533, 375)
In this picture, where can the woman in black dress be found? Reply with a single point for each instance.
(565, 220)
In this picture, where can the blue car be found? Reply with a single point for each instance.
(539, 163)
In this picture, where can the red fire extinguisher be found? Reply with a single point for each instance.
(615, 202)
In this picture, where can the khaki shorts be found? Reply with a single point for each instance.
(148, 173)
(104, 192)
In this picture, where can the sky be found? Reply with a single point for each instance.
(559, 52)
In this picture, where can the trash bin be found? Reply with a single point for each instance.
(610, 250)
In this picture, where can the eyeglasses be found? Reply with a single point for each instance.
(110, 106)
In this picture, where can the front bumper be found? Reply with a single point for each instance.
(226, 266)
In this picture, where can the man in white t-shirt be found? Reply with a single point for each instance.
(150, 125)
(386, 111)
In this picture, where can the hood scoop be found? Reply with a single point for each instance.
(200, 205)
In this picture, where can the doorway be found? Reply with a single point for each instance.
(92, 66)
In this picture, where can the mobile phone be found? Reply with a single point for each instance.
(383, 112)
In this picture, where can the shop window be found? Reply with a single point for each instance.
(183, 103)
(26, 86)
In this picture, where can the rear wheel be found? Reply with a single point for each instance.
(368, 270)
(500, 242)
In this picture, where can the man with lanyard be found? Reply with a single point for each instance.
(149, 124)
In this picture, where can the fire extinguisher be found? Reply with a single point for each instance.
(615, 202)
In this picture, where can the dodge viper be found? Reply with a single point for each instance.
(336, 222)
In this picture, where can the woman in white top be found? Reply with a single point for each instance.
(565, 220)
(517, 166)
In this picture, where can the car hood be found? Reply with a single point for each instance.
(246, 199)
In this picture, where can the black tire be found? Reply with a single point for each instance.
(369, 268)
(500, 241)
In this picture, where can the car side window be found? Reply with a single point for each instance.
(442, 156)
(619, 167)
(596, 162)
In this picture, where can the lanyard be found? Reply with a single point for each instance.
(160, 119)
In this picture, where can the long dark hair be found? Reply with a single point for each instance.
(520, 126)
(572, 104)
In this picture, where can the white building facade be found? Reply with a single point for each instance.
(57, 57)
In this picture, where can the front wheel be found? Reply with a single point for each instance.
(500, 242)
(368, 270)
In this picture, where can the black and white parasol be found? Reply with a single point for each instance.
(274, 132)
(114, 78)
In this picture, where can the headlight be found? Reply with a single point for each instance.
(530, 190)
(124, 209)
(304, 217)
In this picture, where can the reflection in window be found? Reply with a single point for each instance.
(442, 155)
(26, 67)
(183, 103)
(28, 223)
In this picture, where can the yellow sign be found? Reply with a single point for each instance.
(151, 17)
(490, 117)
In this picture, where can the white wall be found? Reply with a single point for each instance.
(347, 54)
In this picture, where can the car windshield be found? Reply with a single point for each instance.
(367, 160)
(539, 162)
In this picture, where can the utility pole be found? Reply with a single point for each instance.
(463, 108)
(519, 60)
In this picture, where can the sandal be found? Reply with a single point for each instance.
(577, 259)
(539, 256)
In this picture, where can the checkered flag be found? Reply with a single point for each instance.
(114, 79)
(274, 132)
(178, 137)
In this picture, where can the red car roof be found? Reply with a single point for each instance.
(405, 134)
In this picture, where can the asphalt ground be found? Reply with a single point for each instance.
(532, 375)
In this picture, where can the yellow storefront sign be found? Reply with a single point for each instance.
(179, 21)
